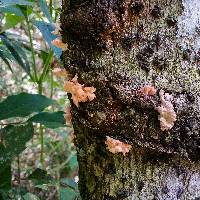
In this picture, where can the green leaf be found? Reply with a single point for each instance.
(30, 196)
(66, 182)
(46, 29)
(5, 180)
(45, 9)
(39, 174)
(6, 52)
(11, 21)
(4, 58)
(23, 104)
(50, 120)
(14, 2)
(13, 15)
(68, 194)
(13, 142)
(13, 50)
(26, 10)
(43, 55)
(12, 10)
(23, 53)
(73, 163)
(40, 178)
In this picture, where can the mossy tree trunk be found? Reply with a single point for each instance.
(118, 46)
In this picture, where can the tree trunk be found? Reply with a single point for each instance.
(118, 46)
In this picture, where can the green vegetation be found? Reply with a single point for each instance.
(37, 156)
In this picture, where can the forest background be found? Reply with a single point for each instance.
(37, 156)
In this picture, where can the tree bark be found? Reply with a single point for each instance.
(118, 46)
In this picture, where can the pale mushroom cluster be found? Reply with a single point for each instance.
(167, 115)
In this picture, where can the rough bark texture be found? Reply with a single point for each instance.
(118, 46)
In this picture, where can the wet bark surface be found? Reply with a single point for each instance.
(118, 46)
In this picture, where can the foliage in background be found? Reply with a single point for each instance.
(45, 167)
